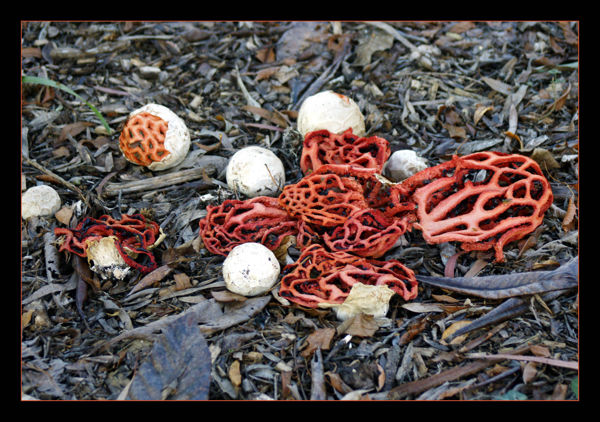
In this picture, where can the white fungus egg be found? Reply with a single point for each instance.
(39, 201)
(402, 164)
(255, 171)
(332, 111)
(250, 269)
(139, 150)
(105, 260)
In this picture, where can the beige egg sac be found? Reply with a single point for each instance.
(255, 171)
(105, 260)
(250, 269)
(177, 139)
(366, 299)
(332, 111)
(402, 164)
(39, 201)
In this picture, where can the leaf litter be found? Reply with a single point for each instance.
(438, 88)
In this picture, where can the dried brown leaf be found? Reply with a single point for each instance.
(480, 110)
(444, 298)
(64, 215)
(529, 372)
(182, 281)
(455, 131)
(234, 374)
(570, 36)
(497, 85)
(72, 129)
(538, 350)
(569, 219)
(360, 325)
(227, 296)
(320, 338)
(545, 159)
(452, 329)
(337, 383)
(151, 278)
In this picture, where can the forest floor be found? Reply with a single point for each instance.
(438, 88)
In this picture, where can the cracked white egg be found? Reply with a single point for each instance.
(105, 260)
(255, 171)
(402, 164)
(250, 269)
(39, 201)
(332, 111)
(155, 137)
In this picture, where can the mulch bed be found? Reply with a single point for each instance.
(439, 88)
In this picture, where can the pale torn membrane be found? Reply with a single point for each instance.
(105, 260)
(370, 300)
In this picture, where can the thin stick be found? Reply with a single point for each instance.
(68, 185)
(539, 359)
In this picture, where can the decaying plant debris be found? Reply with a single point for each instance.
(439, 88)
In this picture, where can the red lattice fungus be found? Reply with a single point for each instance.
(321, 276)
(489, 200)
(234, 222)
(134, 233)
(142, 139)
(327, 196)
(367, 233)
(323, 147)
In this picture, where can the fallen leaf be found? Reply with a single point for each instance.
(72, 129)
(480, 111)
(569, 220)
(529, 372)
(61, 152)
(337, 383)
(462, 26)
(538, 350)
(320, 338)
(31, 52)
(182, 281)
(360, 325)
(265, 55)
(559, 393)
(178, 368)
(545, 159)
(234, 374)
(455, 131)
(570, 36)
(227, 296)
(266, 73)
(370, 44)
(453, 328)
(64, 215)
(272, 116)
(151, 278)
(560, 101)
(444, 298)
(497, 85)
(419, 307)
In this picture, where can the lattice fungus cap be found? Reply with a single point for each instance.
(402, 164)
(154, 137)
(255, 171)
(332, 111)
(250, 269)
(39, 201)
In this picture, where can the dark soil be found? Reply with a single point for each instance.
(439, 88)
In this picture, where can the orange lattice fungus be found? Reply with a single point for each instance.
(234, 222)
(482, 200)
(320, 276)
(324, 147)
(154, 137)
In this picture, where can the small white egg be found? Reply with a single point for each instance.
(402, 164)
(38, 201)
(250, 269)
(332, 111)
(255, 171)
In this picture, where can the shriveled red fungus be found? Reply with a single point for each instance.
(322, 276)
(259, 219)
(134, 233)
(142, 139)
(324, 147)
(489, 200)
(367, 233)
